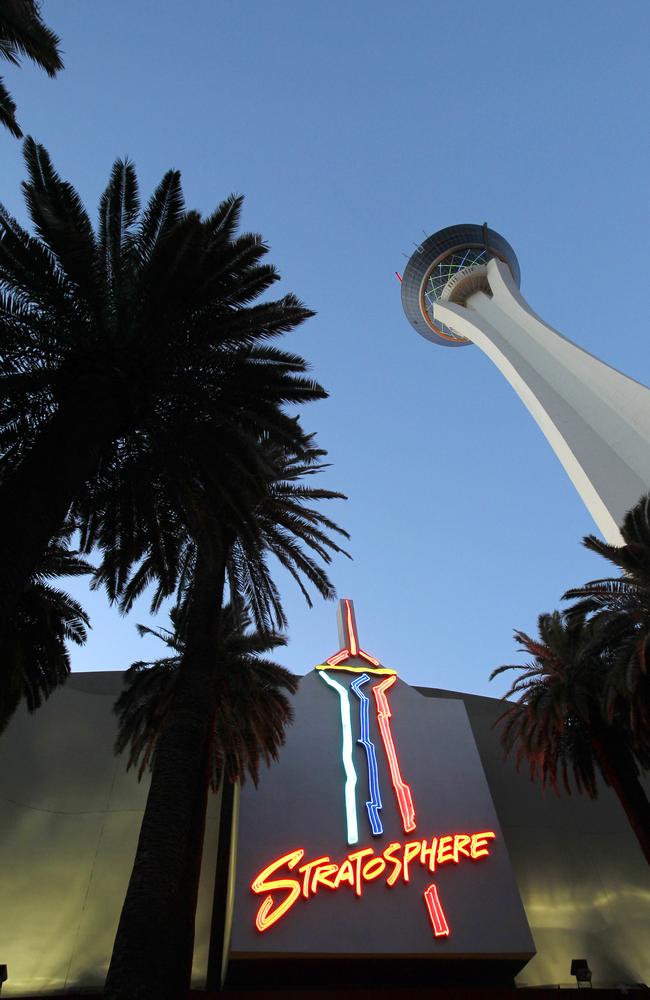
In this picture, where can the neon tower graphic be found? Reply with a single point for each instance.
(352, 659)
(461, 286)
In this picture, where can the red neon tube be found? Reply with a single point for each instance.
(353, 639)
(402, 790)
(338, 658)
(436, 912)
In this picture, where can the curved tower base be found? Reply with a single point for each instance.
(596, 419)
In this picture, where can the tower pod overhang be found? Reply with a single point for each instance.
(437, 262)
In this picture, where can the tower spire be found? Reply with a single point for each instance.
(348, 637)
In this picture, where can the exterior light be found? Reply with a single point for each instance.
(582, 972)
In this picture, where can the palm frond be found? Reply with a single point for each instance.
(35, 655)
(8, 112)
(60, 220)
(119, 207)
(23, 33)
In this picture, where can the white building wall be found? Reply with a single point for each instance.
(70, 816)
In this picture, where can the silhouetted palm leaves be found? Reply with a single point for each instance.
(36, 658)
(622, 604)
(559, 723)
(250, 698)
(23, 34)
(124, 347)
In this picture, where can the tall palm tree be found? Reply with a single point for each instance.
(141, 389)
(623, 603)
(142, 394)
(251, 711)
(274, 515)
(113, 339)
(558, 723)
(36, 658)
(23, 33)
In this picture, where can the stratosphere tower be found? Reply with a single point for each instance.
(460, 287)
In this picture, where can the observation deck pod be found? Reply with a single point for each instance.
(449, 266)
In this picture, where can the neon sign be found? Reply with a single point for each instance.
(363, 866)
(402, 790)
(292, 877)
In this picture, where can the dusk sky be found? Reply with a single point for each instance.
(353, 129)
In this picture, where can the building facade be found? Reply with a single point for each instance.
(517, 884)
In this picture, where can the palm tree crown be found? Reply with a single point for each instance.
(622, 605)
(135, 345)
(145, 525)
(250, 698)
(558, 695)
(560, 723)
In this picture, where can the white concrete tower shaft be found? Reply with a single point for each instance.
(596, 419)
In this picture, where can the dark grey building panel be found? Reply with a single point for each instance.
(300, 803)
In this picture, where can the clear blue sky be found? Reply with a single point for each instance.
(351, 128)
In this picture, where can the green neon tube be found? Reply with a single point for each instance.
(348, 764)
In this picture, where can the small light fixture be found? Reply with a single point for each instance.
(582, 972)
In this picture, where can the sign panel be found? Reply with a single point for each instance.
(375, 834)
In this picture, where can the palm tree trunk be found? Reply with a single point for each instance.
(189, 887)
(147, 955)
(35, 498)
(619, 769)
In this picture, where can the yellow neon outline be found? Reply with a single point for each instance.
(357, 670)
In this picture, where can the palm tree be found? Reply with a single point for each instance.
(45, 620)
(251, 711)
(251, 708)
(113, 340)
(141, 388)
(23, 33)
(271, 515)
(623, 602)
(558, 723)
